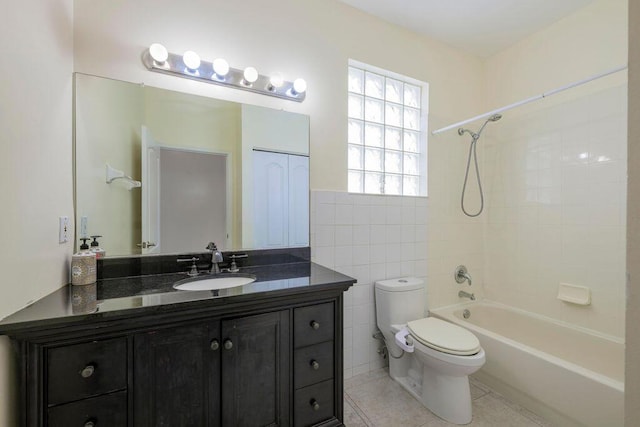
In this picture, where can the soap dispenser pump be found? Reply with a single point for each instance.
(96, 249)
(84, 247)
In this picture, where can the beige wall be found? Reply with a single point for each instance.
(107, 131)
(35, 155)
(632, 372)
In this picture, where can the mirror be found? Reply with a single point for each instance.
(159, 171)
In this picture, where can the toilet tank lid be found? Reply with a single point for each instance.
(401, 284)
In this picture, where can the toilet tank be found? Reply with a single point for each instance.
(399, 301)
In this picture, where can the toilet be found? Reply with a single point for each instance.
(431, 358)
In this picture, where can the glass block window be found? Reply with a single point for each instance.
(386, 133)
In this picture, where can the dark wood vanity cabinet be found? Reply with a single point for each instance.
(276, 363)
(176, 376)
(233, 372)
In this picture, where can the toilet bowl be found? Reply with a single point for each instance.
(431, 358)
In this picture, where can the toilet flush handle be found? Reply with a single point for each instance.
(405, 340)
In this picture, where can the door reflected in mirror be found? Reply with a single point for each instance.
(211, 170)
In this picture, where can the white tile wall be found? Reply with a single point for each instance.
(369, 238)
(556, 192)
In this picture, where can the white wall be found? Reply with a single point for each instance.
(555, 170)
(35, 156)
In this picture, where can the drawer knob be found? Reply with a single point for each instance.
(90, 423)
(88, 371)
(315, 325)
(215, 345)
(315, 405)
(314, 364)
(228, 344)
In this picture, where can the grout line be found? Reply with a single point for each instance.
(367, 422)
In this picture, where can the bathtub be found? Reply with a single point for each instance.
(567, 375)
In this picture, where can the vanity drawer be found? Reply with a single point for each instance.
(313, 324)
(83, 370)
(313, 364)
(109, 410)
(313, 404)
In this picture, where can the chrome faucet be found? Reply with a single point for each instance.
(463, 294)
(216, 257)
(461, 274)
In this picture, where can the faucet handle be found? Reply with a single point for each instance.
(233, 268)
(461, 274)
(194, 268)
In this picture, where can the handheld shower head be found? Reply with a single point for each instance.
(495, 117)
(461, 131)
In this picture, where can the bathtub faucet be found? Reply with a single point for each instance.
(463, 294)
(461, 274)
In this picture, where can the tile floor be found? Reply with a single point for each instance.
(375, 400)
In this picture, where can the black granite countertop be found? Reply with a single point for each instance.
(126, 296)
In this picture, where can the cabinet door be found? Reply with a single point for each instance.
(255, 370)
(176, 377)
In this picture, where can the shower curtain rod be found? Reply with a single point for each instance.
(531, 99)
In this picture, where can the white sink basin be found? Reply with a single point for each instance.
(210, 283)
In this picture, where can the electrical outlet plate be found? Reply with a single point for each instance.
(64, 230)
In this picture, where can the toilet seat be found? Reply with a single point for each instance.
(444, 336)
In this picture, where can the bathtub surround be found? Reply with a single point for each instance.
(556, 203)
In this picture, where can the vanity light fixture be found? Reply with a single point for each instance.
(192, 61)
(249, 76)
(159, 53)
(220, 69)
(275, 81)
(189, 65)
(299, 87)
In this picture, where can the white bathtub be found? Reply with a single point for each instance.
(567, 375)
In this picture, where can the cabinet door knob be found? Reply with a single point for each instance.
(228, 344)
(215, 345)
(315, 325)
(315, 405)
(88, 371)
(90, 423)
(314, 364)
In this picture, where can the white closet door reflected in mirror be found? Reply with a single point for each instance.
(281, 200)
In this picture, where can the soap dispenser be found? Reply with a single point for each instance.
(83, 265)
(96, 249)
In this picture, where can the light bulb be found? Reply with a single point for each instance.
(191, 60)
(299, 86)
(158, 53)
(275, 81)
(220, 67)
(250, 75)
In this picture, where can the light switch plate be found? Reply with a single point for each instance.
(64, 230)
